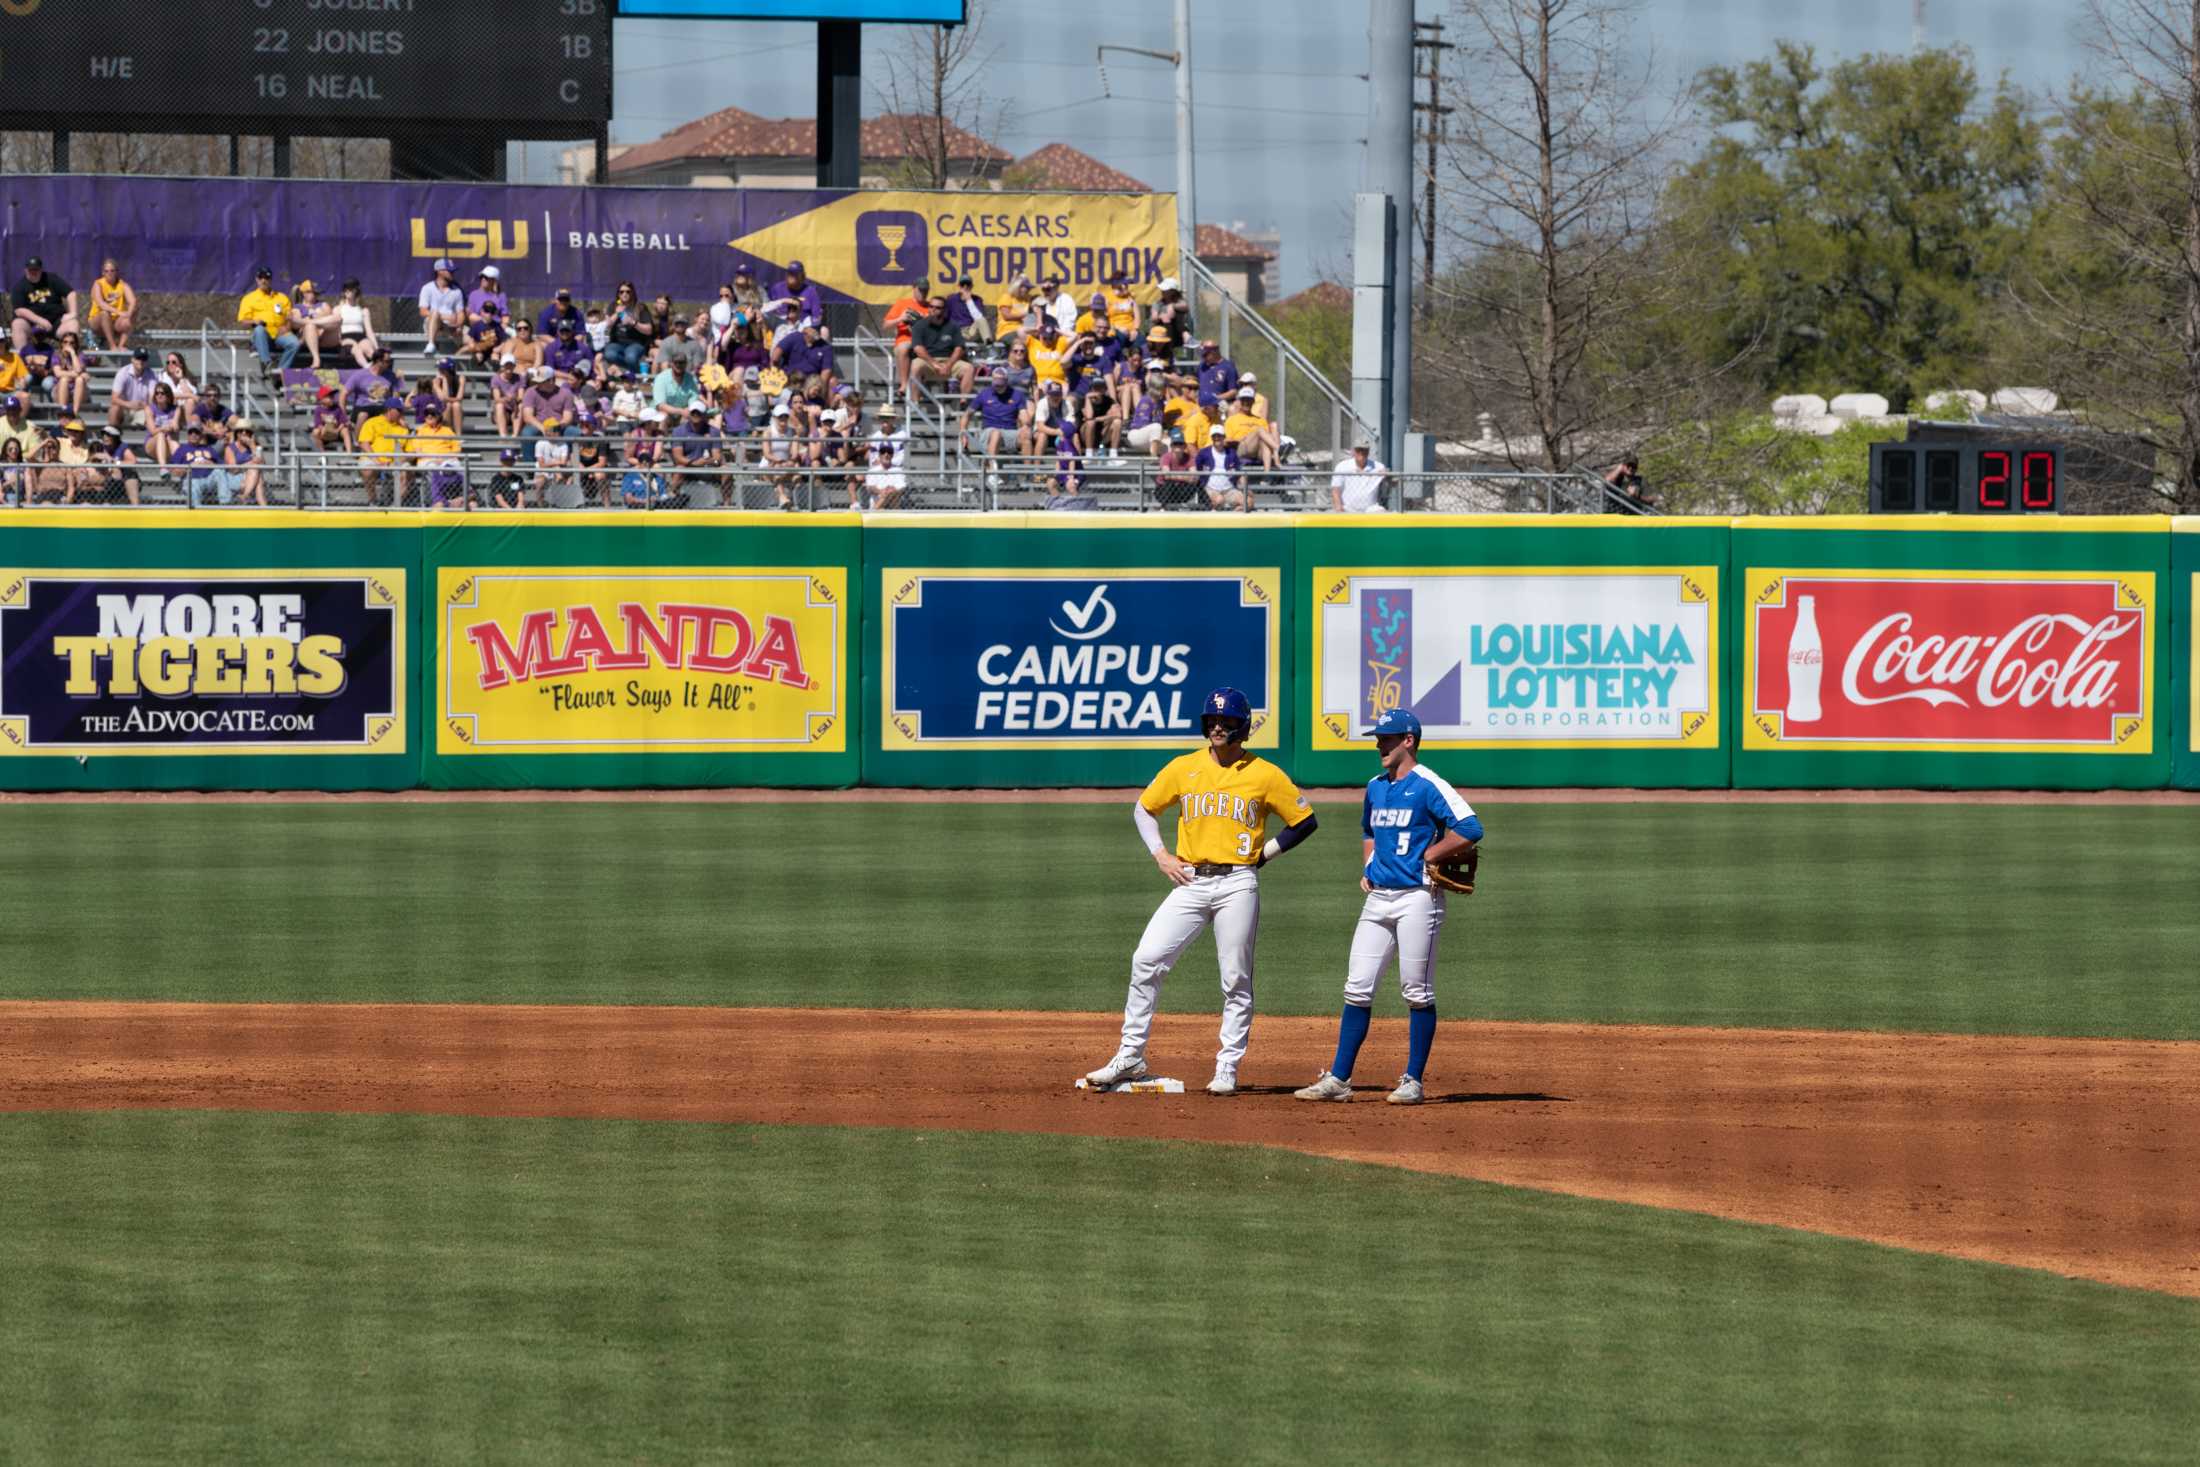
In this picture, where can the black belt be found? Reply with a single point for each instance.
(1216, 868)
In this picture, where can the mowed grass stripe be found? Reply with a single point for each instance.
(1986, 919)
(270, 1289)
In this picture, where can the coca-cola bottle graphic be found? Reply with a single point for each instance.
(1806, 663)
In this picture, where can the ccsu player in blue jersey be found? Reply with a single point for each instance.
(1411, 819)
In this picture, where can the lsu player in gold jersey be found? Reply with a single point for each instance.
(1223, 798)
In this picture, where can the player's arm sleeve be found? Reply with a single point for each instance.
(1149, 828)
(1288, 837)
(1367, 815)
(1452, 810)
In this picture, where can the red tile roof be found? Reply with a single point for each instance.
(1328, 294)
(1058, 165)
(1213, 242)
(734, 133)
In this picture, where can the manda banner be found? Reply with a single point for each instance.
(202, 662)
(1526, 658)
(620, 660)
(1095, 659)
(210, 234)
(1977, 661)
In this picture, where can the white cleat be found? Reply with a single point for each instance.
(1407, 1093)
(1116, 1071)
(1224, 1083)
(1328, 1087)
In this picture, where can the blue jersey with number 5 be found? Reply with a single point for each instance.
(1404, 817)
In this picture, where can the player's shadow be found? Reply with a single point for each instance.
(1464, 1097)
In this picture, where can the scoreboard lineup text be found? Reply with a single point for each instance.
(321, 64)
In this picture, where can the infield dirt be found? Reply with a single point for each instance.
(2074, 1156)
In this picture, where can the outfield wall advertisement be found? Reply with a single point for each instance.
(2184, 659)
(612, 660)
(136, 662)
(1073, 659)
(1979, 656)
(1528, 658)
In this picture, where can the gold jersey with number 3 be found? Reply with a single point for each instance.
(1222, 810)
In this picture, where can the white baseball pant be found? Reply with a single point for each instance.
(1403, 921)
(1232, 904)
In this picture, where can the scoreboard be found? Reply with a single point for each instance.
(325, 67)
(2015, 473)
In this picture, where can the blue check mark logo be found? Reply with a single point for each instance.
(1081, 616)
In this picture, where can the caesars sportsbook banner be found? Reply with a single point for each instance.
(626, 660)
(171, 662)
(1517, 657)
(209, 234)
(1073, 659)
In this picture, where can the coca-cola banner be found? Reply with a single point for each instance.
(1542, 657)
(1962, 661)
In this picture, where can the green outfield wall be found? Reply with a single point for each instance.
(278, 650)
(2184, 680)
(1954, 652)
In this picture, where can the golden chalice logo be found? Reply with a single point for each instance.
(892, 236)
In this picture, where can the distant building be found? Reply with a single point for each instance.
(732, 148)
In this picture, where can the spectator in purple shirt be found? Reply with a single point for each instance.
(210, 414)
(808, 357)
(560, 309)
(1220, 475)
(1218, 377)
(359, 383)
(545, 399)
(504, 391)
(693, 444)
(1003, 412)
(485, 333)
(798, 287)
(488, 291)
(1146, 433)
(570, 354)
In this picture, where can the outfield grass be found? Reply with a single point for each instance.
(1983, 919)
(277, 1289)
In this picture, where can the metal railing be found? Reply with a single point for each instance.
(1330, 402)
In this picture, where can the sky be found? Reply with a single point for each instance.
(1280, 96)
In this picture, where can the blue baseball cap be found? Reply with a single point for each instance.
(1227, 703)
(1397, 721)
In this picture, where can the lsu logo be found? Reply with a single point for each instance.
(472, 239)
(892, 246)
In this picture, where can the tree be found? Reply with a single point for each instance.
(934, 86)
(1550, 176)
(1860, 221)
(2112, 296)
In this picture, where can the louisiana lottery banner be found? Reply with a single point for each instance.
(1528, 658)
(1962, 661)
(202, 662)
(210, 234)
(619, 660)
(1093, 659)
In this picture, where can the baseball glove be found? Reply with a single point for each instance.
(1458, 874)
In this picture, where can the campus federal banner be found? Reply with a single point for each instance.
(1028, 650)
(211, 234)
(1898, 651)
(603, 649)
(1535, 650)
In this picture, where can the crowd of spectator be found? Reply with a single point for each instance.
(640, 403)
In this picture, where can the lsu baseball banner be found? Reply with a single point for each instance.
(1091, 659)
(1523, 657)
(210, 234)
(563, 660)
(1966, 661)
(206, 662)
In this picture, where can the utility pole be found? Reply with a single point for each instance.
(1187, 216)
(1917, 25)
(1390, 172)
(1428, 35)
